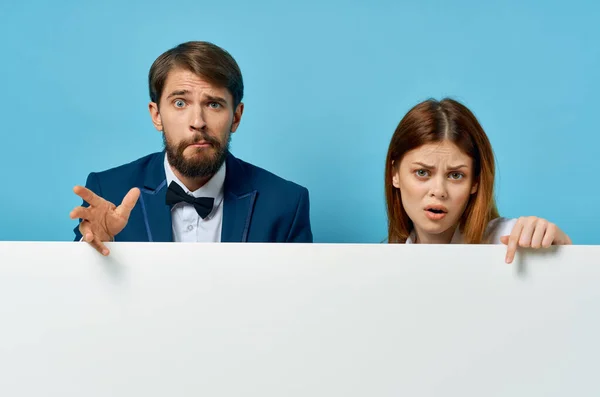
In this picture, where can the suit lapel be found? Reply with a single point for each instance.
(238, 203)
(157, 214)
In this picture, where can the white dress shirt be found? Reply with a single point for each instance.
(495, 229)
(188, 226)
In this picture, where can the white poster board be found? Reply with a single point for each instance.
(177, 319)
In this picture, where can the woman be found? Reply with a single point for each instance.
(439, 184)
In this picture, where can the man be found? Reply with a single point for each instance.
(195, 189)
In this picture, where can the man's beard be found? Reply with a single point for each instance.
(205, 165)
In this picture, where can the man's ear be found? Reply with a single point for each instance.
(155, 115)
(237, 116)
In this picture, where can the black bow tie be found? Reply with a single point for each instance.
(203, 205)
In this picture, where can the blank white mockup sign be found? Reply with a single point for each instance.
(297, 320)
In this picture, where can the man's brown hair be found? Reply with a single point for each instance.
(202, 58)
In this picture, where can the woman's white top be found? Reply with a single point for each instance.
(495, 229)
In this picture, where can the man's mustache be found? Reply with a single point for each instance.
(198, 138)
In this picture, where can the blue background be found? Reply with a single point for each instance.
(326, 85)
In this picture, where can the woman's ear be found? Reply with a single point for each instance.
(395, 176)
(396, 180)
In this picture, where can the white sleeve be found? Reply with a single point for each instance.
(497, 228)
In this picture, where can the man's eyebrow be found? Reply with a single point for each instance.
(178, 92)
(215, 98)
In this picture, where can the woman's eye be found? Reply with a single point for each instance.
(422, 173)
(456, 175)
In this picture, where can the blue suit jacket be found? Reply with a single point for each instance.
(258, 206)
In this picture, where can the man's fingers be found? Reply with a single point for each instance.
(128, 203)
(80, 213)
(96, 243)
(85, 229)
(88, 196)
(99, 246)
(88, 236)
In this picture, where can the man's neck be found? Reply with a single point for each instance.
(441, 238)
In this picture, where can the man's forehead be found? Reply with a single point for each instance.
(186, 80)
